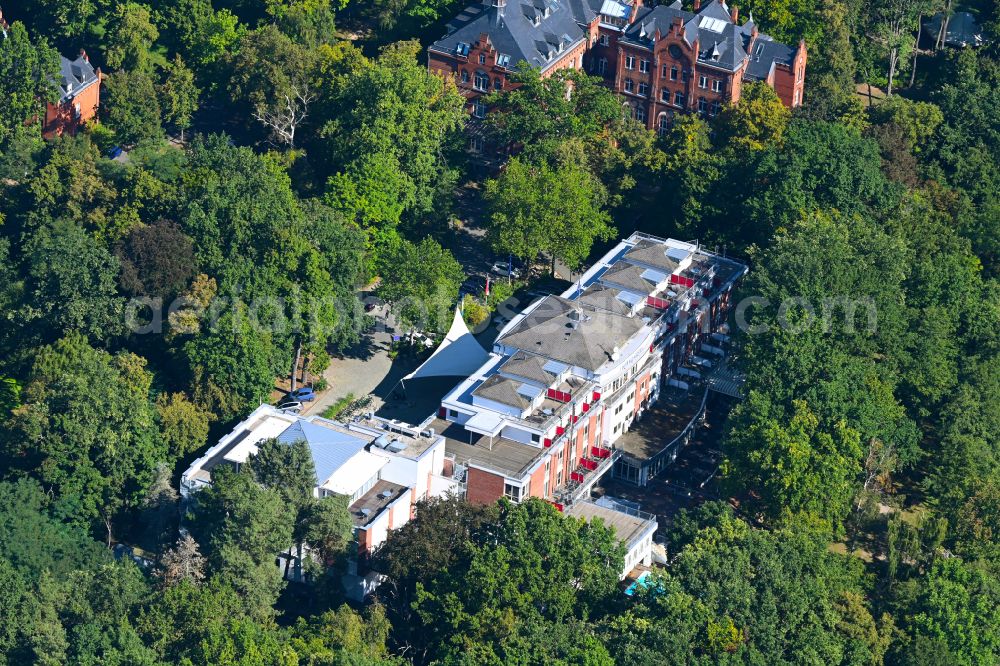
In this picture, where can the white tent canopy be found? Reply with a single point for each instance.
(459, 355)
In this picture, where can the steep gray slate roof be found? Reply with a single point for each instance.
(512, 30)
(721, 43)
(572, 333)
(74, 76)
(766, 52)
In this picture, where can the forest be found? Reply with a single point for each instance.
(284, 154)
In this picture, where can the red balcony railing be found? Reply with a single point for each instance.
(576, 476)
(561, 396)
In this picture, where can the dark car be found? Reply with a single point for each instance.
(114, 152)
(304, 394)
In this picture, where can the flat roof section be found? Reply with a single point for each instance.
(628, 528)
(372, 503)
(661, 423)
(504, 456)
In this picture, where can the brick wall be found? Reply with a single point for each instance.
(483, 487)
(62, 118)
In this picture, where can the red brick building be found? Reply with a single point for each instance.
(79, 97)
(662, 60)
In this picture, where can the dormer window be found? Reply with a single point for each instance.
(482, 58)
(462, 49)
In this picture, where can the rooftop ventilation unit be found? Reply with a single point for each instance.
(366, 512)
(385, 494)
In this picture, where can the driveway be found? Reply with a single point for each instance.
(363, 368)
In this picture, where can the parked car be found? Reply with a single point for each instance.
(114, 152)
(304, 394)
(474, 285)
(293, 406)
(501, 268)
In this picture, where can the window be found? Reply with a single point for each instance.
(678, 98)
(512, 492)
(481, 82)
(684, 76)
(799, 75)
(796, 98)
(497, 83)
(602, 66)
(702, 81)
(673, 73)
(715, 108)
(644, 66)
(665, 96)
(663, 72)
(453, 413)
(479, 109)
(629, 62)
(702, 105)
(536, 439)
(465, 76)
(640, 114)
(603, 39)
(629, 85)
(643, 88)
(482, 58)
(663, 124)
(716, 85)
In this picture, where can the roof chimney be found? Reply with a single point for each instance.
(697, 5)
(734, 13)
(83, 54)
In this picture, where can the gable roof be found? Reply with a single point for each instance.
(512, 30)
(331, 447)
(653, 254)
(603, 297)
(631, 277)
(764, 54)
(503, 390)
(721, 43)
(528, 366)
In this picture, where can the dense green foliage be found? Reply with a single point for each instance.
(147, 303)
